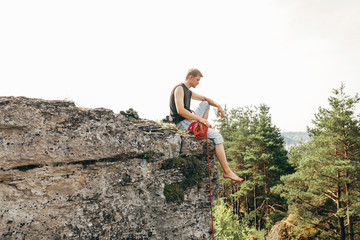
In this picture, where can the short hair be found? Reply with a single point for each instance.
(193, 72)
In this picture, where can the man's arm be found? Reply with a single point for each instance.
(198, 97)
(179, 102)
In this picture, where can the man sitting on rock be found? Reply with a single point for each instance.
(182, 116)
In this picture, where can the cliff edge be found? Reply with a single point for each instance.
(71, 173)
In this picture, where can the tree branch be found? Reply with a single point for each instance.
(324, 209)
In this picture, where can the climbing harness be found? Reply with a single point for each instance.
(200, 132)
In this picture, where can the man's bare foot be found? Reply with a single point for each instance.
(233, 177)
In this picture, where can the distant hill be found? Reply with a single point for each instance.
(295, 138)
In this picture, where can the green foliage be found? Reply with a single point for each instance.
(316, 192)
(255, 149)
(323, 193)
(227, 224)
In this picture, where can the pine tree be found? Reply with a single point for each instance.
(324, 190)
(256, 148)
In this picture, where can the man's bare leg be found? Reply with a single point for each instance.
(221, 156)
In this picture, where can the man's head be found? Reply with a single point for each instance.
(193, 72)
(193, 77)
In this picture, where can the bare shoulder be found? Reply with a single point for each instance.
(179, 91)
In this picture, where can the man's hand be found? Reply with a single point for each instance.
(220, 111)
(205, 122)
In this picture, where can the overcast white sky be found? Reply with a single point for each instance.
(121, 54)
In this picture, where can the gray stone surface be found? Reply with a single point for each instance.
(70, 173)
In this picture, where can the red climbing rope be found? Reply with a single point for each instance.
(200, 132)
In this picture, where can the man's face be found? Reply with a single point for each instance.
(194, 81)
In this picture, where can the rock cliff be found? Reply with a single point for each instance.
(71, 173)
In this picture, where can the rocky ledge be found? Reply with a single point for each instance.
(72, 173)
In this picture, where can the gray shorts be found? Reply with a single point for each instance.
(200, 111)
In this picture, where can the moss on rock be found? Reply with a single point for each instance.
(174, 193)
(193, 170)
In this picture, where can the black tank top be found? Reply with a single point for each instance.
(174, 115)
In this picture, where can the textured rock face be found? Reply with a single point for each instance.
(70, 173)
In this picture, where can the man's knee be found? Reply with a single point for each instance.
(218, 140)
(205, 104)
(215, 136)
